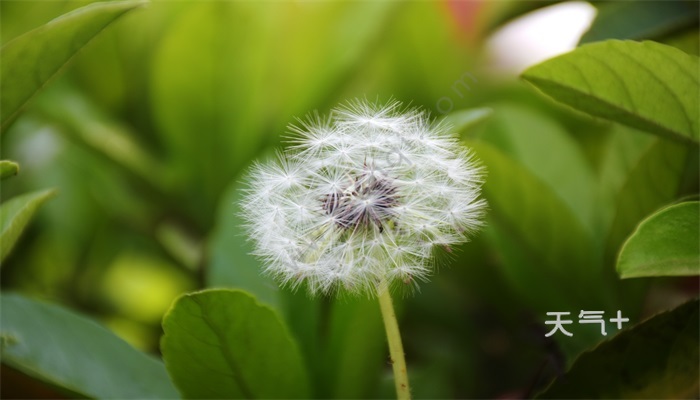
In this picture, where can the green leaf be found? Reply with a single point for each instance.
(651, 20)
(224, 344)
(30, 61)
(8, 169)
(15, 215)
(63, 348)
(656, 359)
(645, 85)
(667, 243)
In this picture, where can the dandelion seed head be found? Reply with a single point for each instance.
(361, 197)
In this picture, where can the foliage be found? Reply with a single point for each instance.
(223, 344)
(143, 118)
(667, 243)
(85, 358)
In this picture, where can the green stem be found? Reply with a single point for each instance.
(393, 335)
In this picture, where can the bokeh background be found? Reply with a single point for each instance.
(147, 132)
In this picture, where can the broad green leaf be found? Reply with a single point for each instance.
(58, 346)
(657, 359)
(8, 169)
(667, 243)
(237, 85)
(640, 20)
(15, 215)
(224, 344)
(645, 85)
(30, 61)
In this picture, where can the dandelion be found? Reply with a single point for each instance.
(361, 200)
(362, 197)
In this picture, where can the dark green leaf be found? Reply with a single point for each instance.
(15, 215)
(58, 346)
(667, 243)
(30, 61)
(656, 359)
(224, 344)
(8, 169)
(644, 85)
(640, 20)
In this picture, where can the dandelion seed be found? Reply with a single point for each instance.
(362, 197)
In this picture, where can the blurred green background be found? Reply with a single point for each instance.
(147, 132)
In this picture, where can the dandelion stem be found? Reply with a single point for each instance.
(393, 335)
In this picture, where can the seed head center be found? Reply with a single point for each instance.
(367, 200)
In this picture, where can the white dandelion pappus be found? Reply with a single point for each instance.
(361, 198)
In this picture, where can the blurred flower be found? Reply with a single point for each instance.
(362, 197)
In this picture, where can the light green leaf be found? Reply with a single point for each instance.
(8, 169)
(667, 243)
(30, 61)
(15, 215)
(657, 359)
(640, 20)
(645, 85)
(65, 349)
(224, 344)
